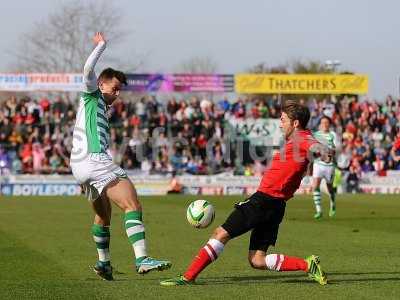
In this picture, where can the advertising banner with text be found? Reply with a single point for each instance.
(167, 83)
(142, 83)
(301, 84)
(259, 132)
(222, 184)
(19, 82)
(224, 83)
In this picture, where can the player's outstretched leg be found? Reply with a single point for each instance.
(332, 195)
(206, 255)
(123, 193)
(285, 263)
(317, 202)
(101, 236)
(317, 197)
(136, 235)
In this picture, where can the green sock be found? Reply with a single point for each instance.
(333, 201)
(317, 200)
(135, 232)
(101, 235)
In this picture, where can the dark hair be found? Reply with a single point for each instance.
(325, 117)
(296, 111)
(109, 73)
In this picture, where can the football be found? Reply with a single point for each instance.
(200, 213)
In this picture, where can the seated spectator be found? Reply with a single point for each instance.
(224, 104)
(239, 110)
(16, 167)
(263, 110)
(172, 106)
(192, 167)
(15, 138)
(201, 143)
(6, 129)
(367, 167)
(379, 165)
(176, 160)
(44, 104)
(26, 158)
(46, 169)
(5, 162)
(353, 181)
(55, 162)
(141, 111)
(38, 156)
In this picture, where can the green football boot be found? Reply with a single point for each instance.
(314, 270)
(318, 215)
(104, 271)
(332, 213)
(180, 280)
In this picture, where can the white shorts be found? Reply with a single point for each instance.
(95, 172)
(323, 171)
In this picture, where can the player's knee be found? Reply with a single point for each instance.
(221, 235)
(102, 219)
(131, 205)
(257, 262)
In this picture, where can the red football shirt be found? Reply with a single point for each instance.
(283, 176)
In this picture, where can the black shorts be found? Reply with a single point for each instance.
(260, 213)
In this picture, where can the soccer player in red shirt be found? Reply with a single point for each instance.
(263, 211)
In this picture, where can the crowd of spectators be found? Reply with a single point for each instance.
(165, 136)
(32, 135)
(369, 132)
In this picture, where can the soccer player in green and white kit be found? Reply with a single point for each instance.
(101, 179)
(324, 169)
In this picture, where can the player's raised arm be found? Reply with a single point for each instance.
(89, 76)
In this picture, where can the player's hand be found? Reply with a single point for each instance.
(327, 155)
(98, 38)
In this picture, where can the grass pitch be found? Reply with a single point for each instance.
(46, 251)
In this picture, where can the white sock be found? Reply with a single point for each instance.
(214, 248)
(274, 261)
(317, 201)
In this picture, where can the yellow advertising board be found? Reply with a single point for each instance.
(301, 84)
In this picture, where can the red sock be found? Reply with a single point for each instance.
(206, 255)
(280, 262)
(291, 263)
(199, 263)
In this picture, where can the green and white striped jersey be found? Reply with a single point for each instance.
(92, 122)
(92, 130)
(328, 139)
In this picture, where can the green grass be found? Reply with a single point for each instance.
(46, 251)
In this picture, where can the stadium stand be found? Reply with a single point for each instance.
(35, 134)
